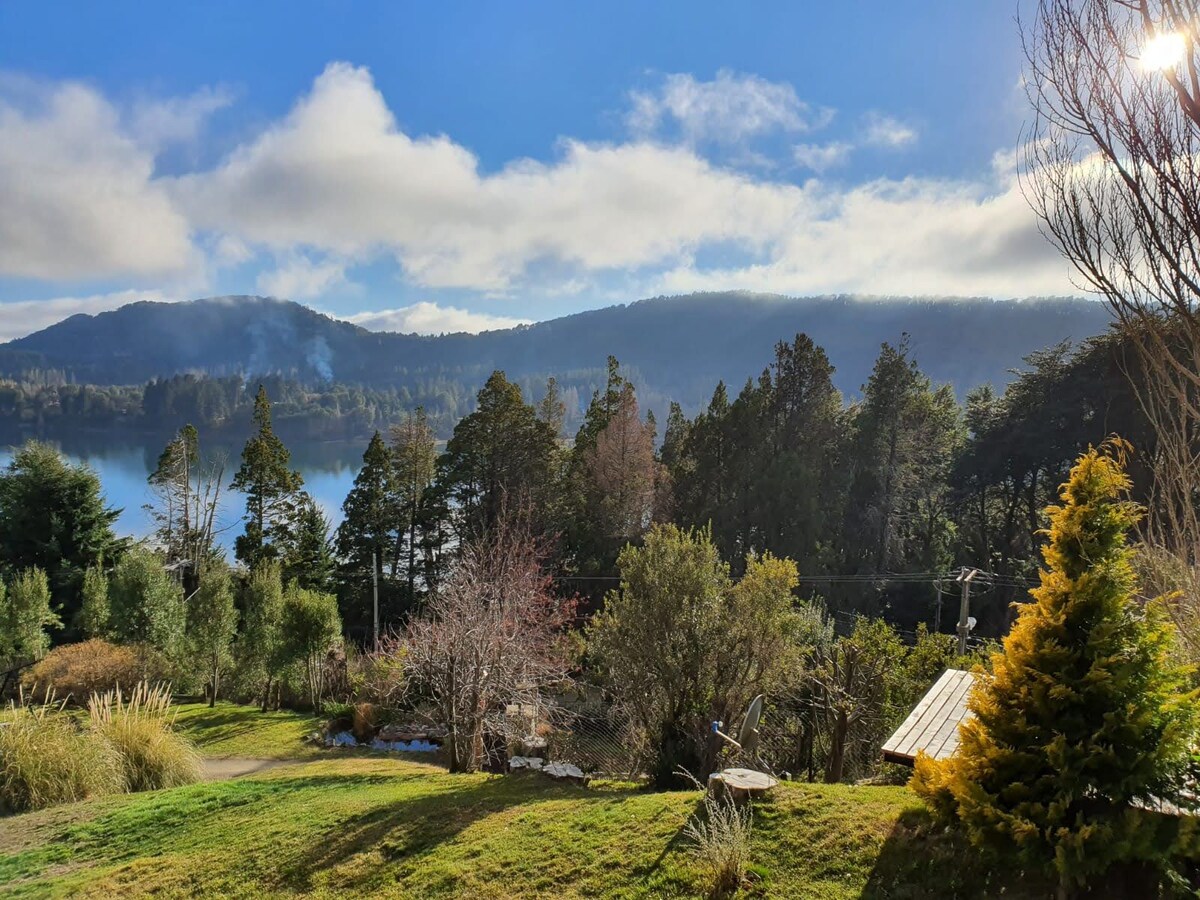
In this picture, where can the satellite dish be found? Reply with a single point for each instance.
(748, 733)
(970, 623)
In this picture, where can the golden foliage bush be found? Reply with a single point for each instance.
(74, 672)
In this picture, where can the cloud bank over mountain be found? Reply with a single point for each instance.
(304, 204)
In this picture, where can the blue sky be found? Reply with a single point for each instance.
(458, 166)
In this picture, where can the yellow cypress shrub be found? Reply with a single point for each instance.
(1086, 720)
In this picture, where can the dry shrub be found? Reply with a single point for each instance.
(721, 838)
(45, 758)
(140, 728)
(365, 720)
(74, 672)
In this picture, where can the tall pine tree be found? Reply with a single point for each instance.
(366, 539)
(271, 487)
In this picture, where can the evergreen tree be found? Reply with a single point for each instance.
(271, 487)
(146, 604)
(415, 459)
(53, 517)
(25, 616)
(499, 457)
(366, 538)
(904, 437)
(1086, 718)
(94, 614)
(308, 556)
(211, 625)
(551, 409)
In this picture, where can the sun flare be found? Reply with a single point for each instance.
(1164, 51)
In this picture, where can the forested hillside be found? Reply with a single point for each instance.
(673, 349)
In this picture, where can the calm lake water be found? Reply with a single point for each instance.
(328, 471)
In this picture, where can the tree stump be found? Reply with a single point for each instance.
(740, 784)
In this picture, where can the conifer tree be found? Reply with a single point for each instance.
(1086, 718)
(367, 535)
(270, 486)
(53, 516)
(308, 557)
(499, 457)
(551, 409)
(414, 451)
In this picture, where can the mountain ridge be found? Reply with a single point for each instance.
(674, 347)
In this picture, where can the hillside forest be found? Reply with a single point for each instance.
(879, 501)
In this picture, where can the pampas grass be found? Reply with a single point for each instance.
(46, 758)
(140, 728)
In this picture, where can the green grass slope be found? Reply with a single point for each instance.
(374, 826)
(229, 730)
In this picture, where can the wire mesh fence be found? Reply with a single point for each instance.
(599, 745)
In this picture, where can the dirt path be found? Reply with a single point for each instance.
(237, 766)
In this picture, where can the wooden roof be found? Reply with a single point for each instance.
(933, 725)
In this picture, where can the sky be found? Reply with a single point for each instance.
(458, 167)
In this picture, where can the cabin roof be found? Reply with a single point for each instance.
(932, 726)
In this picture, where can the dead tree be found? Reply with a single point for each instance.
(492, 636)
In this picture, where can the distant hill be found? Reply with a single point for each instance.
(675, 348)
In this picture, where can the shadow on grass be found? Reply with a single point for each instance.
(216, 725)
(407, 830)
(920, 859)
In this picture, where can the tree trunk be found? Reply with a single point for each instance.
(837, 750)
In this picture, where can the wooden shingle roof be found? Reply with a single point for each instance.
(933, 725)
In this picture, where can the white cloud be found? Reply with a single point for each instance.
(23, 317)
(300, 278)
(429, 318)
(885, 131)
(80, 199)
(728, 109)
(159, 122)
(337, 174)
(919, 237)
(336, 180)
(820, 157)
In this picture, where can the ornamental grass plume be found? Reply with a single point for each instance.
(140, 728)
(1087, 722)
(46, 758)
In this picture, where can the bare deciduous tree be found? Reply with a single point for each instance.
(493, 635)
(1112, 168)
(1114, 173)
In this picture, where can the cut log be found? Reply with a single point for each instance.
(741, 784)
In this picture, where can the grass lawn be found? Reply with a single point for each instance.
(370, 825)
(232, 730)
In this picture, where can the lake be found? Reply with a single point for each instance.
(328, 469)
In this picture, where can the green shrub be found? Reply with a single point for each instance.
(74, 672)
(140, 729)
(45, 758)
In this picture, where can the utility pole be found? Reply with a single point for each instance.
(375, 591)
(964, 608)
